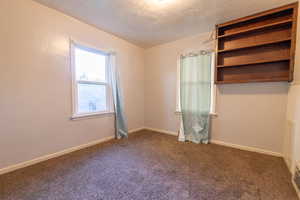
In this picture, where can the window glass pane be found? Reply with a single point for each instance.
(90, 66)
(91, 98)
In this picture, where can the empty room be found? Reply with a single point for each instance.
(149, 100)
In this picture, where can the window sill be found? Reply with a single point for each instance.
(211, 113)
(91, 115)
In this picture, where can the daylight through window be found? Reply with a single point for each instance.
(90, 79)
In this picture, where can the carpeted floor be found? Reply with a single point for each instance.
(152, 166)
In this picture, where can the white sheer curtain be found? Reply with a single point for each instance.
(195, 96)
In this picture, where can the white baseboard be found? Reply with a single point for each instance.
(288, 163)
(57, 154)
(236, 146)
(136, 130)
(54, 155)
(247, 148)
(60, 153)
(161, 131)
(70, 150)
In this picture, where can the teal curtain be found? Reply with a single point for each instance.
(120, 119)
(195, 96)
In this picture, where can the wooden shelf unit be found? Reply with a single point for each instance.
(257, 48)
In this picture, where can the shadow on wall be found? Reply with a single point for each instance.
(253, 88)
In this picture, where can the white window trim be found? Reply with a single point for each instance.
(109, 100)
(213, 88)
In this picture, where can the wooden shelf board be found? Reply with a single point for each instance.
(255, 45)
(256, 62)
(254, 80)
(257, 15)
(257, 28)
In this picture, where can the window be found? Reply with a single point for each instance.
(213, 88)
(91, 89)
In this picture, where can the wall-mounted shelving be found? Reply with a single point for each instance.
(257, 48)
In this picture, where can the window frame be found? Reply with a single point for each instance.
(213, 89)
(75, 82)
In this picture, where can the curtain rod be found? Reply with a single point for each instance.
(195, 53)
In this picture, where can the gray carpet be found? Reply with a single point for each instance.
(152, 166)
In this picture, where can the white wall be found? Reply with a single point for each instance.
(292, 137)
(35, 88)
(251, 115)
(35, 82)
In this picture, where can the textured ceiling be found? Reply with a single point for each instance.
(147, 23)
